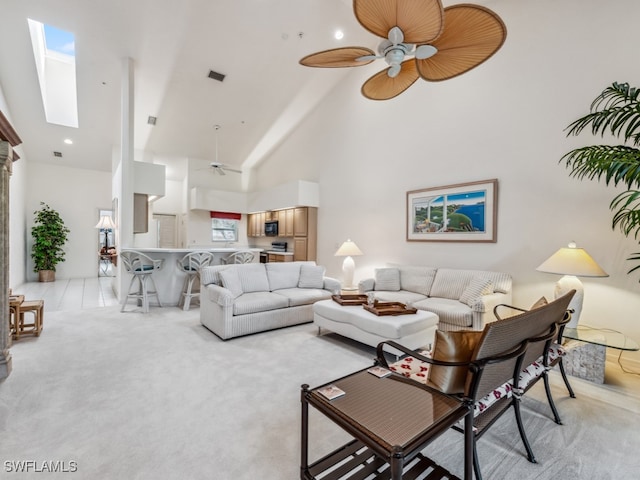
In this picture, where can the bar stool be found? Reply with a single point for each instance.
(241, 256)
(191, 264)
(141, 267)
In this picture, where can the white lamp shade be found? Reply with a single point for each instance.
(105, 222)
(348, 248)
(572, 262)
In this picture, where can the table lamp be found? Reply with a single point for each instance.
(107, 224)
(572, 262)
(348, 249)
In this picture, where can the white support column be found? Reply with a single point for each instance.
(6, 162)
(126, 180)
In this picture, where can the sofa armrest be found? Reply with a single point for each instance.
(366, 285)
(332, 284)
(483, 308)
(219, 295)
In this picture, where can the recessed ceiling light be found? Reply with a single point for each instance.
(68, 141)
(338, 35)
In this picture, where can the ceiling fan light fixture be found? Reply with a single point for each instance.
(395, 35)
(416, 28)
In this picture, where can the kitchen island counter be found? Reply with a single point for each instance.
(170, 279)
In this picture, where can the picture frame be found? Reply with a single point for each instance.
(464, 212)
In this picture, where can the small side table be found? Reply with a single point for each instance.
(391, 419)
(587, 347)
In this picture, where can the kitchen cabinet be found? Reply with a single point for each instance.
(305, 229)
(289, 222)
(285, 222)
(300, 221)
(279, 257)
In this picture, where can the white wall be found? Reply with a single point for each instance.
(77, 194)
(17, 208)
(503, 120)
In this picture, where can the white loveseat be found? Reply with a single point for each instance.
(248, 298)
(462, 299)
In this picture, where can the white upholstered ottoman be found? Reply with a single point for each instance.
(414, 330)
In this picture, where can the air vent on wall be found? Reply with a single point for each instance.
(152, 120)
(57, 154)
(216, 75)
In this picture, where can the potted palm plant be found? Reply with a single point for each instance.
(616, 112)
(49, 236)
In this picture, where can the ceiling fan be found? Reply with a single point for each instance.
(218, 167)
(444, 43)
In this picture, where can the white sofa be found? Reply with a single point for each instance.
(462, 299)
(248, 298)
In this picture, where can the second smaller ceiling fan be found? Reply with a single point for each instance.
(221, 168)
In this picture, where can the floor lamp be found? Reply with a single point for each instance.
(572, 262)
(107, 224)
(348, 249)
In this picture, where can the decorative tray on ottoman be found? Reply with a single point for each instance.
(350, 299)
(389, 308)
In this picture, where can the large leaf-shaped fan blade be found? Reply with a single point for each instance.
(382, 87)
(420, 20)
(472, 34)
(339, 57)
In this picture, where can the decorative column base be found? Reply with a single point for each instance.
(585, 360)
(5, 364)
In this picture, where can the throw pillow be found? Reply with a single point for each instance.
(452, 347)
(541, 302)
(387, 279)
(311, 276)
(231, 281)
(253, 277)
(477, 287)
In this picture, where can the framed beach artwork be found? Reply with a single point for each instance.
(466, 212)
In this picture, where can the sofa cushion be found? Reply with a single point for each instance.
(255, 302)
(400, 296)
(253, 277)
(282, 275)
(478, 286)
(452, 347)
(417, 279)
(450, 283)
(387, 279)
(303, 296)
(456, 313)
(311, 276)
(231, 281)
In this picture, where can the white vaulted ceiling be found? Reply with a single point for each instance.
(174, 44)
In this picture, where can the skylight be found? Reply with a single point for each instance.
(54, 54)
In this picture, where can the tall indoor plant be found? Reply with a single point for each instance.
(49, 236)
(616, 111)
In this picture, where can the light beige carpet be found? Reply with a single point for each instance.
(133, 396)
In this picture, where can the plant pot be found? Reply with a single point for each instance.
(46, 276)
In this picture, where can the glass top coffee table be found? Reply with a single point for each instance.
(601, 336)
(391, 419)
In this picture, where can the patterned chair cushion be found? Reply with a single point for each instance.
(418, 370)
